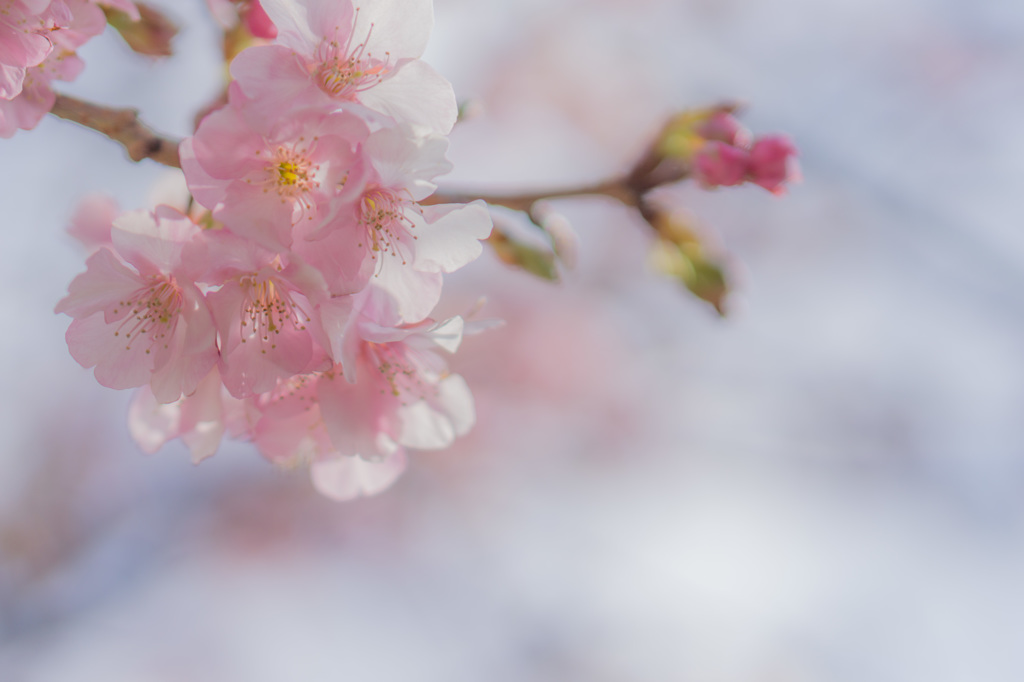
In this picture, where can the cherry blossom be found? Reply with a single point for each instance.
(261, 178)
(142, 320)
(200, 419)
(263, 307)
(291, 432)
(24, 39)
(65, 25)
(331, 54)
(384, 227)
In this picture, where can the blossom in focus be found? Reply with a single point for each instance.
(262, 177)
(25, 26)
(390, 391)
(64, 25)
(384, 226)
(331, 54)
(138, 316)
(263, 306)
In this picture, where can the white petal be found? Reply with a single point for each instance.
(346, 478)
(451, 238)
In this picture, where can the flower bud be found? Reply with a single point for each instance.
(680, 253)
(773, 163)
(150, 34)
(718, 164)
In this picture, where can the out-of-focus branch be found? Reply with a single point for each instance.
(618, 189)
(120, 125)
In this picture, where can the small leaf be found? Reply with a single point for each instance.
(680, 253)
(534, 260)
(704, 278)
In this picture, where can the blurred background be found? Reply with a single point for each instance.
(825, 486)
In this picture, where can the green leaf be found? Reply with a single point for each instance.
(535, 260)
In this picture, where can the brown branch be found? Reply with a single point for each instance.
(120, 125)
(616, 189)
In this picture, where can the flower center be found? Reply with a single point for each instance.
(343, 72)
(291, 173)
(399, 372)
(383, 215)
(152, 313)
(269, 308)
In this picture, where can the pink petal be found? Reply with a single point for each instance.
(277, 77)
(293, 24)
(152, 424)
(93, 217)
(346, 478)
(119, 363)
(417, 94)
(105, 282)
(401, 27)
(450, 237)
(434, 424)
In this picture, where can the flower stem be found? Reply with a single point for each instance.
(617, 189)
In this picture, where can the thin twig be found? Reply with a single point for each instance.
(141, 142)
(120, 125)
(616, 189)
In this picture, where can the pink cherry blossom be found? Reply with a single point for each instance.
(331, 54)
(385, 226)
(25, 26)
(87, 22)
(390, 390)
(200, 419)
(142, 320)
(393, 378)
(263, 306)
(70, 23)
(262, 178)
(291, 432)
(773, 163)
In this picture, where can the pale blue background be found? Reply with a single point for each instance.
(825, 487)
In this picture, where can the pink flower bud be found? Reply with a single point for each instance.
(718, 164)
(724, 127)
(773, 163)
(258, 23)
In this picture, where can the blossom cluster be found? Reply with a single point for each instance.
(38, 40)
(291, 303)
(731, 156)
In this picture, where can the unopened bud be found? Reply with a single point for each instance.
(519, 254)
(718, 164)
(687, 132)
(680, 253)
(722, 126)
(773, 163)
(149, 34)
